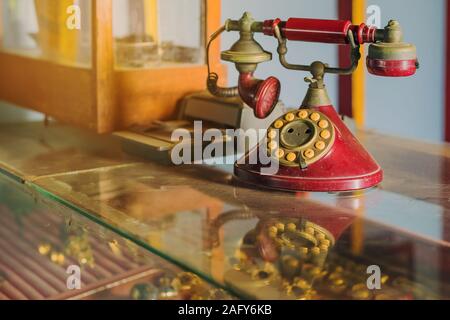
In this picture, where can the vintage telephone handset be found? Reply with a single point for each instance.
(314, 148)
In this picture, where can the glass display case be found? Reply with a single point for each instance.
(149, 36)
(42, 242)
(275, 247)
(114, 63)
(48, 30)
(252, 243)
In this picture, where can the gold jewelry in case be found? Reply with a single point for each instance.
(184, 285)
(307, 267)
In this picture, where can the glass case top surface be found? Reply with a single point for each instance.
(262, 245)
(277, 245)
(39, 150)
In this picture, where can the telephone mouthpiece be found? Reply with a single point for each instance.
(260, 95)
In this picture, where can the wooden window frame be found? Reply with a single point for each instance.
(101, 97)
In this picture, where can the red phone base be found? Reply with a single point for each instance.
(347, 166)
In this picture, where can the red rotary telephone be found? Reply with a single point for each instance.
(313, 147)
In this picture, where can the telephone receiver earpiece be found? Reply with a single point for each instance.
(260, 95)
(391, 57)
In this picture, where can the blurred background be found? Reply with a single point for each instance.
(409, 107)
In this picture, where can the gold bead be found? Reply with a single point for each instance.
(359, 286)
(303, 114)
(290, 262)
(309, 153)
(273, 229)
(61, 258)
(323, 124)
(315, 116)
(291, 226)
(57, 257)
(383, 296)
(334, 275)
(325, 134)
(320, 145)
(54, 256)
(323, 248)
(320, 236)
(315, 271)
(273, 234)
(315, 251)
(290, 246)
(302, 284)
(279, 153)
(291, 157)
(44, 249)
(289, 117)
(361, 294)
(309, 230)
(325, 242)
(272, 145)
(280, 226)
(272, 134)
(278, 124)
(303, 250)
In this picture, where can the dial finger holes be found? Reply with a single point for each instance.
(289, 117)
(309, 153)
(320, 145)
(325, 134)
(303, 114)
(272, 145)
(323, 124)
(291, 157)
(315, 116)
(278, 124)
(272, 134)
(279, 153)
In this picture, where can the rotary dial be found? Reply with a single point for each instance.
(300, 138)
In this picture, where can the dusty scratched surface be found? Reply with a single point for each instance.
(198, 216)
